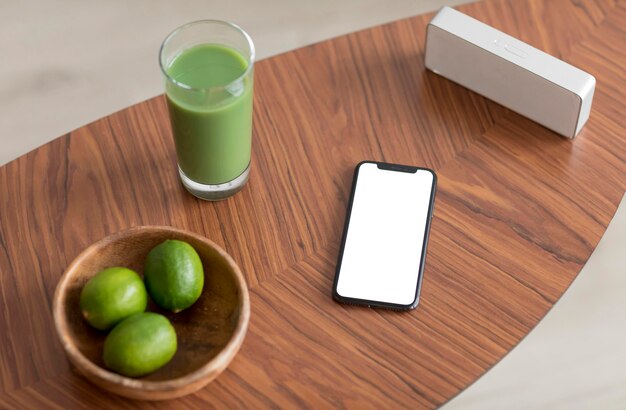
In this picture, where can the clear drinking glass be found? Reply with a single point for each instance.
(208, 67)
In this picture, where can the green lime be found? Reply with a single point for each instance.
(174, 276)
(140, 344)
(111, 296)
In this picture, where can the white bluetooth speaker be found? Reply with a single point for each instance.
(522, 78)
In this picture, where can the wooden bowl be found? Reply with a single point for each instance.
(209, 333)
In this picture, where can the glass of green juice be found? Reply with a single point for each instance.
(208, 67)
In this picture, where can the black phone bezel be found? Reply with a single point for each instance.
(373, 303)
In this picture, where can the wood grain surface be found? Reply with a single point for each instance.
(519, 210)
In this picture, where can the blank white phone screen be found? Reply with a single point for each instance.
(383, 248)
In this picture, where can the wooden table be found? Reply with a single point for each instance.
(518, 212)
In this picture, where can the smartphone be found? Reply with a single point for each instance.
(383, 249)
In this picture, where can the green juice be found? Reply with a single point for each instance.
(210, 106)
